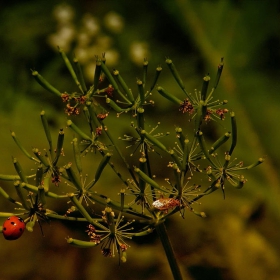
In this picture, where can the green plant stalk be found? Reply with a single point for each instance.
(20, 194)
(80, 243)
(154, 141)
(114, 106)
(113, 82)
(77, 155)
(97, 73)
(78, 131)
(163, 235)
(47, 131)
(124, 86)
(73, 177)
(46, 85)
(7, 196)
(202, 144)
(158, 71)
(23, 149)
(80, 74)
(234, 132)
(145, 71)
(70, 69)
(219, 73)
(84, 212)
(59, 146)
(220, 142)
(47, 193)
(169, 96)
(204, 89)
(43, 159)
(105, 160)
(5, 177)
(141, 92)
(19, 170)
(178, 79)
(149, 180)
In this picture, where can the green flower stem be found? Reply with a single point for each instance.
(39, 175)
(176, 159)
(65, 218)
(113, 82)
(169, 252)
(80, 243)
(34, 189)
(177, 175)
(114, 106)
(124, 86)
(220, 142)
(141, 92)
(105, 160)
(145, 71)
(202, 144)
(158, 71)
(23, 149)
(19, 170)
(70, 69)
(186, 155)
(77, 155)
(47, 130)
(234, 132)
(154, 141)
(80, 74)
(204, 89)
(149, 180)
(91, 116)
(59, 146)
(42, 159)
(143, 168)
(73, 177)
(210, 174)
(110, 219)
(260, 160)
(140, 120)
(78, 131)
(169, 96)
(219, 72)
(7, 196)
(46, 85)
(7, 215)
(122, 157)
(21, 195)
(31, 223)
(178, 79)
(97, 74)
(41, 195)
(200, 113)
(180, 136)
(5, 177)
(144, 232)
(83, 211)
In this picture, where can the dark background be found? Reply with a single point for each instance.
(240, 237)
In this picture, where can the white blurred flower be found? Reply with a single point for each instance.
(112, 57)
(114, 22)
(139, 51)
(90, 24)
(63, 37)
(64, 13)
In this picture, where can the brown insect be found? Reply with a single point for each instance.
(164, 204)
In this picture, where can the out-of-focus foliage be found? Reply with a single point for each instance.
(241, 243)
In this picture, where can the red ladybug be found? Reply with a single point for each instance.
(13, 228)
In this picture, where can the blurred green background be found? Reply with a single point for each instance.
(240, 237)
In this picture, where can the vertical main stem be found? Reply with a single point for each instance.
(162, 232)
